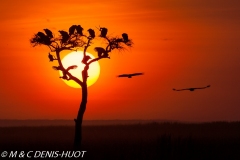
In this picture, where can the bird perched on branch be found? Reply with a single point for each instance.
(51, 57)
(71, 30)
(103, 32)
(91, 32)
(42, 38)
(125, 37)
(130, 75)
(76, 28)
(64, 71)
(61, 68)
(79, 29)
(191, 89)
(64, 35)
(48, 32)
(41, 35)
(102, 53)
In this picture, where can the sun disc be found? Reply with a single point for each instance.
(75, 58)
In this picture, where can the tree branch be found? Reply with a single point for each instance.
(96, 59)
(86, 47)
(66, 48)
(71, 77)
(109, 45)
(74, 39)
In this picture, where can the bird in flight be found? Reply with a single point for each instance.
(191, 89)
(130, 75)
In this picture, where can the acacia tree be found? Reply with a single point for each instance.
(72, 40)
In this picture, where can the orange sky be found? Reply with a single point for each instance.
(177, 44)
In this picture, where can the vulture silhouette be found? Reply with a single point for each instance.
(51, 57)
(64, 73)
(102, 53)
(42, 38)
(64, 35)
(91, 32)
(48, 32)
(41, 35)
(191, 89)
(125, 37)
(71, 30)
(103, 32)
(130, 75)
(79, 29)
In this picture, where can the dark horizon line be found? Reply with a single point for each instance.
(5, 119)
(163, 120)
(62, 122)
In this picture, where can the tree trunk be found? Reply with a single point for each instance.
(78, 121)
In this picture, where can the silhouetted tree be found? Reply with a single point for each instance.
(73, 40)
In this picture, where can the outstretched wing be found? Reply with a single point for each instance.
(123, 75)
(136, 74)
(130, 75)
(202, 87)
(190, 89)
(181, 89)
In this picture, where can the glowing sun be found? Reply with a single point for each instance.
(75, 58)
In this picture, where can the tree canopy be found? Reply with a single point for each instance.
(74, 39)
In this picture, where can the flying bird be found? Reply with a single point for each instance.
(191, 89)
(130, 75)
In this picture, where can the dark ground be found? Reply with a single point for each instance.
(216, 140)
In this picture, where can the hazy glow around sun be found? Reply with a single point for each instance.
(75, 58)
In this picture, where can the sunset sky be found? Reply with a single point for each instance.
(177, 44)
